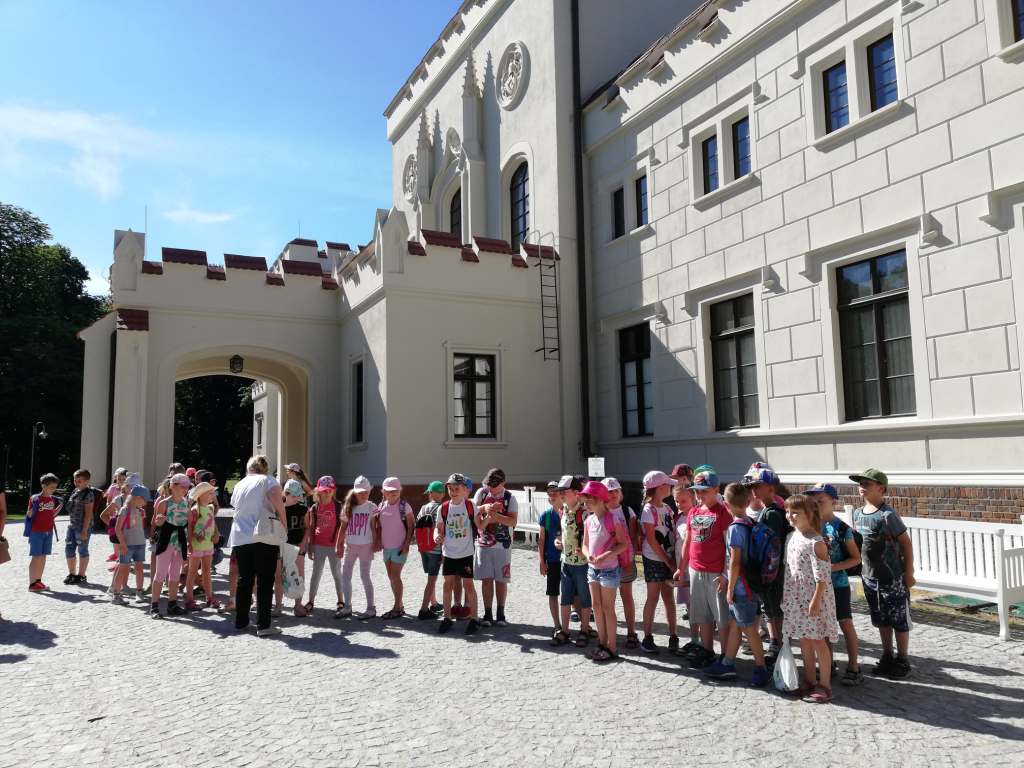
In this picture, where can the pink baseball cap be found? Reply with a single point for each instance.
(656, 478)
(391, 484)
(595, 489)
(326, 483)
(182, 480)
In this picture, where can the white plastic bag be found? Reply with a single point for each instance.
(786, 678)
(292, 583)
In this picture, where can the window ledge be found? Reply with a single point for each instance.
(616, 240)
(851, 130)
(732, 188)
(643, 229)
(1012, 52)
(484, 442)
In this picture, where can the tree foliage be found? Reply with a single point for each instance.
(213, 424)
(43, 304)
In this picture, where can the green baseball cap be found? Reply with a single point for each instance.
(435, 487)
(874, 475)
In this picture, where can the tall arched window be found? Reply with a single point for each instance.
(519, 198)
(455, 214)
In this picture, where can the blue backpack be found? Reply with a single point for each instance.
(764, 554)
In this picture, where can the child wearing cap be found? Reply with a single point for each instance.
(631, 524)
(658, 543)
(396, 522)
(430, 550)
(684, 502)
(323, 530)
(356, 541)
(130, 527)
(497, 513)
(762, 480)
(43, 507)
(170, 515)
(573, 585)
(604, 538)
(113, 493)
(703, 560)
(295, 524)
(202, 533)
(844, 554)
(455, 531)
(550, 527)
(888, 570)
(294, 472)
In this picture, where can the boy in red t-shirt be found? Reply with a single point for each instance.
(39, 524)
(703, 554)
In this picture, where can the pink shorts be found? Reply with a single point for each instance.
(200, 554)
(168, 565)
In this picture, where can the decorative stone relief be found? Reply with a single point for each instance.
(453, 143)
(513, 73)
(409, 179)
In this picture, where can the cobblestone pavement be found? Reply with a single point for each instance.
(84, 682)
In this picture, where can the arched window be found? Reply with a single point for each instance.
(455, 214)
(519, 198)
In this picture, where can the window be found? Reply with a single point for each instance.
(519, 198)
(882, 72)
(734, 363)
(357, 402)
(259, 431)
(1017, 10)
(837, 107)
(455, 214)
(618, 213)
(640, 187)
(474, 394)
(741, 148)
(636, 383)
(709, 156)
(874, 323)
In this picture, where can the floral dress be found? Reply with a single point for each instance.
(802, 573)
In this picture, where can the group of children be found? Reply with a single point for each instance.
(737, 558)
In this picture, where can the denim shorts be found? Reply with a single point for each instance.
(40, 543)
(608, 578)
(574, 585)
(745, 611)
(431, 563)
(394, 555)
(136, 554)
(73, 542)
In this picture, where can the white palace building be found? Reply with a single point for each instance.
(656, 231)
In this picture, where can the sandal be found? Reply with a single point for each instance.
(592, 633)
(308, 608)
(852, 677)
(820, 695)
(632, 641)
(394, 613)
(581, 640)
(602, 654)
(560, 638)
(300, 611)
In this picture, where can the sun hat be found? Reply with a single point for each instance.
(827, 488)
(140, 490)
(681, 470)
(764, 474)
(705, 480)
(326, 483)
(196, 493)
(362, 485)
(570, 483)
(596, 490)
(611, 484)
(494, 476)
(294, 487)
(391, 484)
(293, 467)
(656, 478)
(874, 475)
(457, 478)
(181, 480)
(132, 479)
(436, 486)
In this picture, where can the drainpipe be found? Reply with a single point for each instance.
(581, 243)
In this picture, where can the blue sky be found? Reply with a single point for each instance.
(233, 122)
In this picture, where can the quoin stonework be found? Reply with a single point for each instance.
(656, 232)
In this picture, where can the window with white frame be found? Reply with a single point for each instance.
(259, 431)
(474, 396)
(1004, 22)
(721, 153)
(734, 363)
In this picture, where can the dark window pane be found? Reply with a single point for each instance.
(463, 365)
(892, 271)
(709, 156)
(837, 109)
(854, 282)
(900, 391)
(482, 366)
(741, 148)
(641, 201)
(734, 362)
(519, 197)
(882, 72)
(618, 213)
(744, 310)
(455, 214)
(728, 414)
(635, 379)
(1018, 19)
(751, 417)
(722, 317)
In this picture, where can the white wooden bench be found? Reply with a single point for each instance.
(982, 561)
(531, 504)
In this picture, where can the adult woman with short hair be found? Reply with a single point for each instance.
(256, 496)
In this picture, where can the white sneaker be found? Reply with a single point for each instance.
(268, 632)
(369, 613)
(118, 599)
(141, 597)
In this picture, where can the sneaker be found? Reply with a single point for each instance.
(344, 612)
(574, 617)
(191, 605)
(673, 644)
(79, 580)
(369, 613)
(486, 621)
(884, 665)
(852, 677)
(173, 609)
(648, 646)
(900, 668)
(703, 658)
(69, 579)
(720, 670)
(437, 609)
(445, 625)
(760, 678)
(268, 631)
(689, 650)
(500, 621)
(141, 597)
(118, 599)
(472, 627)
(154, 611)
(36, 586)
(425, 614)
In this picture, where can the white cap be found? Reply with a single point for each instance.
(611, 484)
(391, 484)
(362, 485)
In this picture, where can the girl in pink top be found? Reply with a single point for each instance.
(604, 537)
(323, 529)
(396, 523)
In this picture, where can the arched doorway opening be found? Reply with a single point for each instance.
(213, 416)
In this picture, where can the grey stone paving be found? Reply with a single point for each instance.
(84, 682)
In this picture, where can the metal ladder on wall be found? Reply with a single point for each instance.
(550, 309)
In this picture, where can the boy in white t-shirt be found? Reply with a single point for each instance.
(456, 531)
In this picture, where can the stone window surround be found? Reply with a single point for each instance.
(519, 153)
(640, 165)
(353, 360)
(850, 45)
(719, 121)
(452, 348)
(999, 28)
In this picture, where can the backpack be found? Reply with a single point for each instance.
(469, 511)
(841, 528)
(764, 554)
(425, 531)
(625, 556)
(403, 505)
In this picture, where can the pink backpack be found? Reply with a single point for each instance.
(625, 556)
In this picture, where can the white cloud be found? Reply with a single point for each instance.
(98, 143)
(186, 215)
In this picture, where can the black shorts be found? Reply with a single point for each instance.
(431, 562)
(457, 566)
(889, 604)
(655, 571)
(771, 598)
(554, 578)
(843, 609)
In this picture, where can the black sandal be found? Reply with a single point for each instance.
(581, 640)
(560, 638)
(632, 641)
(602, 654)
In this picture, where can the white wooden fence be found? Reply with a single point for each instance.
(532, 502)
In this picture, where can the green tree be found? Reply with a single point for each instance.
(213, 424)
(43, 304)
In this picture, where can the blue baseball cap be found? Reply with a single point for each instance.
(827, 488)
(142, 491)
(705, 480)
(762, 475)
